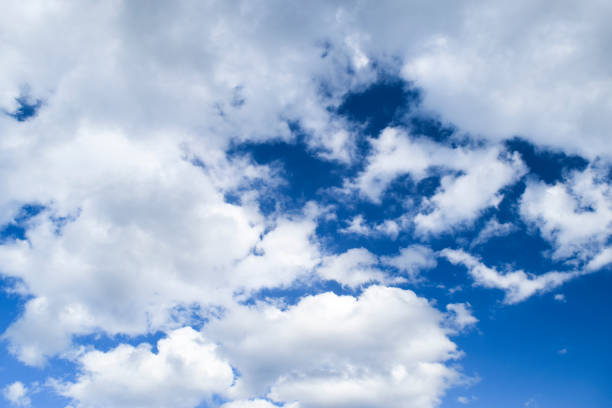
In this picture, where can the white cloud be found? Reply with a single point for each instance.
(387, 347)
(461, 315)
(283, 254)
(352, 268)
(546, 82)
(389, 228)
(395, 153)
(149, 236)
(575, 215)
(493, 228)
(560, 297)
(357, 226)
(358, 266)
(256, 403)
(184, 371)
(17, 394)
(603, 258)
(146, 278)
(460, 199)
(153, 238)
(517, 285)
(411, 260)
(107, 155)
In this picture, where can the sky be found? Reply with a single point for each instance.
(260, 204)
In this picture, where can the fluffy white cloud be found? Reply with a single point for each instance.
(493, 228)
(461, 197)
(575, 215)
(109, 154)
(462, 316)
(256, 403)
(207, 71)
(517, 285)
(283, 254)
(604, 258)
(134, 96)
(149, 267)
(141, 225)
(358, 266)
(352, 268)
(357, 226)
(388, 346)
(546, 81)
(184, 371)
(17, 394)
(411, 260)
(395, 153)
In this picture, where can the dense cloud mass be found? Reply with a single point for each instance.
(141, 198)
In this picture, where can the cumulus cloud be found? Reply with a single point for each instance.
(411, 260)
(461, 315)
(147, 269)
(127, 157)
(358, 266)
(476, 177)
(603, 258)
(493, 228)
(517, 285)
(172, 241)
(283, 254)
(574, 215)
(17, 394)
(560, 297)
(184, 371)
(388, 346)
(546, 82)
(461, 199)
(256, 403)
(387, 228)
(352, 268)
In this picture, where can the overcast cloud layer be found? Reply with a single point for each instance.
(162, 263)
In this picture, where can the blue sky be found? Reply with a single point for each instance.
(258, 205)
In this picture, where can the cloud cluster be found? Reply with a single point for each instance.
(359, 266)
(126, 159)
(522, 68)
(17, 394)
(184, 371)
(574, 215)
(471, 178)
(517, 285)
(387, 344)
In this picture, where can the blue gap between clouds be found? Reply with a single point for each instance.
(392, 102)
(309, 178)
(27, 109)
(548, 165)
(17, 227)
(543, 332)
(11, 304)
(380, 105)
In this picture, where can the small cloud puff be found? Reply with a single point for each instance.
(17, 394)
